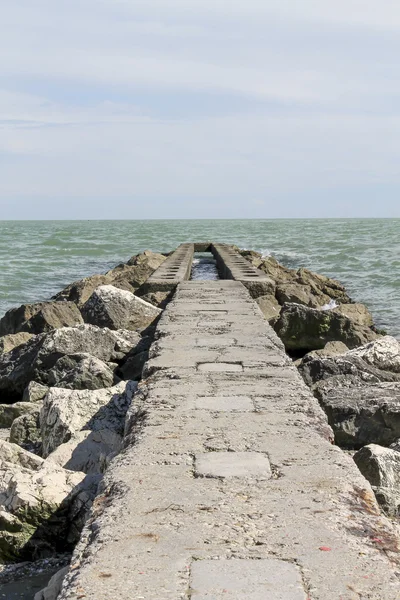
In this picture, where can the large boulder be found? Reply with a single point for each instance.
(81, 372)
(323, 285)
(34, 360)
(357, 313)
(315, 368)
(111, 307)
(300, 294)
(66, 412)
(128, 276)
(304, 329)
(88, 451)
(13, 340)
(381, 467)
(383, 353)
(31, 490)
(25, 430)
(10, 412)
(40, 317)
(137, 270)
(368, 414)
(80, 291)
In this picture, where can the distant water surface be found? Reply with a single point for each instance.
(38, 258)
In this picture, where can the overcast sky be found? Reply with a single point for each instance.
(199, 108)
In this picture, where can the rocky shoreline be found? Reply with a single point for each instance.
(70, 367)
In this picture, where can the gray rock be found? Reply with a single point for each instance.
(66, 412)
(315, 368)
(25, 430)
(53, 588)
(36, 358)
(13, 340)
(381, 467)
(369, 414)
(269, 306)
(111, 307)
(81, 372)
(10, 412)
(40, 317)
(303, 329)
(80, 291)
(34, 392)
(137, 270)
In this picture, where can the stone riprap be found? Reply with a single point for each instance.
(229, 485)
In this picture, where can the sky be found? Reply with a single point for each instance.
(199, 109)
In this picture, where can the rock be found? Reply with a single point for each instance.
(80, 291)
(276, 271)
(255, 258)
(88, 451)
(34, 392)
(42, 505)
(25, 430)
(128, 276)
(300, 294)
(53, 587)
(159, 299)
(9, 412)
(323, 285)
(369, 414)
(40, 317)
(381, 467)
(330, 349)
(36, 358)
(66, 412)
(315, 368)
(80, 372)
(13, 340)
(384, 353)
(111, 307)
(138, 269)
(269, 306)
(358, 313)
(304, 329)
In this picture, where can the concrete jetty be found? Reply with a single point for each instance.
(229, 485)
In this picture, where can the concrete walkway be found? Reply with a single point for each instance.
(231, 489)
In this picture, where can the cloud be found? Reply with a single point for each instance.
(213, 100)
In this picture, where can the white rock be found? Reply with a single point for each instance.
(65, 412)
(384, 353)
(112, 307)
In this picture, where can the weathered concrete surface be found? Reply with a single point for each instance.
(306, 525)
(175, 269)
(232, 265)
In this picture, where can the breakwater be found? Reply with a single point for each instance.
(226, 455)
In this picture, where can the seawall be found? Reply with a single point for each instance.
(229, 485)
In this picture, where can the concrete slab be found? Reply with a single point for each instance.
(232, 464)
(225, 403)
(220, 367)
(266, 579)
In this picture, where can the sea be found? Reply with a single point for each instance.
(38, 258)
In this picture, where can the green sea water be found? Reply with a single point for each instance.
(38, 258)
